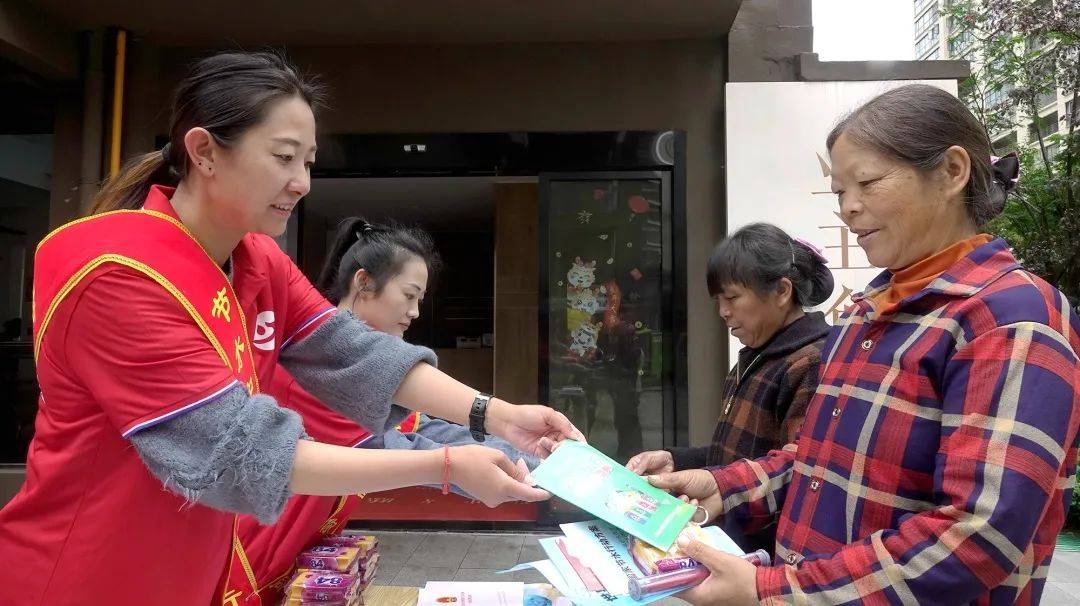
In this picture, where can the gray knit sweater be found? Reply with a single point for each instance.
(236, 451)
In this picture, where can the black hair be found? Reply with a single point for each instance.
(916, 124)
(759, 255)
(381, 250)
(226, 94)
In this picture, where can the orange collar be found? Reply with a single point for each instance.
(917, 276)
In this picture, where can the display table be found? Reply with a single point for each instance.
(388, 595)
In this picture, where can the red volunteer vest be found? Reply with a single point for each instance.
(127, 540)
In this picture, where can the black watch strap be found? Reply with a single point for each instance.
(477, 416)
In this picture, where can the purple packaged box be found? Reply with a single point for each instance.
(317, 586)
(337, 558)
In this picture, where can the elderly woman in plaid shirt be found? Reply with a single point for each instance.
(938, 455)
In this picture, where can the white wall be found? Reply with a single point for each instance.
(775, 136)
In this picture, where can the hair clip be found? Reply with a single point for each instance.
(1006, 170)
(814, 249)
(166, 151)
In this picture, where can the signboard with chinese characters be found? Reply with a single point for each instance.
(778, 169)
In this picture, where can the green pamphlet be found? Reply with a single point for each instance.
(587, 478)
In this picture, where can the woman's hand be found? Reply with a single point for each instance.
(531, 428)
(489, 476)
(651, 462)
(696, 485)
(732, 580)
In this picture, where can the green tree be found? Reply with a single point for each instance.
(1022, 52)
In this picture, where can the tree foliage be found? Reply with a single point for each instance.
(1022, 53)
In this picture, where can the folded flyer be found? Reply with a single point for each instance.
(590, 480)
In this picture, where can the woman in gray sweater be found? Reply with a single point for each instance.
(155, 327)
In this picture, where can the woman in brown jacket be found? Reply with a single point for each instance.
(762, 280)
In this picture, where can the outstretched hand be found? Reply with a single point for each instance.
(531, 428)
(651, 462)
(489, 476)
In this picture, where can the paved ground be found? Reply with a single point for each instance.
(413, 558)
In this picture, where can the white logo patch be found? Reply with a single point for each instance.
(264, 331)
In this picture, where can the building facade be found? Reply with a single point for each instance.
(937, 37)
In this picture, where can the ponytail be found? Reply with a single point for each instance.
(127, 189)
(349, 232)
(380, 250)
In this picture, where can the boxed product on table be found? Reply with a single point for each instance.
(294, 602)
(291, 602)
(365, 543)
(335, 558)
(367, 569)
(323, 587)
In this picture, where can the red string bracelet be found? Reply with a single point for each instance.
(446, 470)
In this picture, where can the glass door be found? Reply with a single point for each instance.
(606, 303)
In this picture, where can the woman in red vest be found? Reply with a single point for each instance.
(380, 274)
(152, 430)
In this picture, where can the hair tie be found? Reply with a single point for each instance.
(814, 249)
(1006, 170)
(166, 152)
(365, 229)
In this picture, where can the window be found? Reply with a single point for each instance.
(1005, 144)
(1047, 125)
(921, 5)
(959, 41)
(926, 19)
(998, 65)
(1070, 114)
(1045, 99)
(997, 97)
(927, 42)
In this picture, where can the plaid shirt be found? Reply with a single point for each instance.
(937, 459)
(765, 397)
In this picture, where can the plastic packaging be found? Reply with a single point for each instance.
(683, 579)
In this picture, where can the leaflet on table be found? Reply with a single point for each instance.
(592, 565)
(590, 480)
(437, 593)
(471, 594)
(604, 581)
(550, 570)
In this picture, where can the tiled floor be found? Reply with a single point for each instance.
(414, 558)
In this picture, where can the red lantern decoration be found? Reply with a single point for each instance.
(638, 204)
